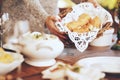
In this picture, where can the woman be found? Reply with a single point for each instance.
(25, 15)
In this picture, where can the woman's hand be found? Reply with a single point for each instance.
(50, 23)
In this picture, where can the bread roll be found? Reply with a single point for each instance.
(82, 20)
(84, 23)
(95, 22)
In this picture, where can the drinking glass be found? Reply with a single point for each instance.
(3, 19)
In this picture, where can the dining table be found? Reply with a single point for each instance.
(70, 55)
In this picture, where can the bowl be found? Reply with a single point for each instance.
(104, 40)
(40, 49)
(7, 66)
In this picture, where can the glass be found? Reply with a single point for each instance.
(3, 19)
(0, 23)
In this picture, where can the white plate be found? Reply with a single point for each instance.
(107, 64)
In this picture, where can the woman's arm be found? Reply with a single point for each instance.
(41, 9)
(36, 10)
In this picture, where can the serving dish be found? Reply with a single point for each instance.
(40, 50)
(9, 61)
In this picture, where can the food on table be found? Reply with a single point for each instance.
(34, 35)
(38, 36)
(58, 71)
(55, 72)
(5, 57)
(84, 23)
(9, 61)
(62, 71)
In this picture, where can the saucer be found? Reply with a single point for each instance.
(40, 63)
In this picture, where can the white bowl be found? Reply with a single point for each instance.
(42, 51)
(104, 40)
(8, 67)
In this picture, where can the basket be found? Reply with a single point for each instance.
(81, 40)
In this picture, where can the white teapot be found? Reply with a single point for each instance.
(39, 49)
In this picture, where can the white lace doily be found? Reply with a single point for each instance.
(81, 40)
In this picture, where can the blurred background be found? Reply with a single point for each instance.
(109, 5)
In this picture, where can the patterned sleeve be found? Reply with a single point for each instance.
(41, 8)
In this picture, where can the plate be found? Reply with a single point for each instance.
(107, 64)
